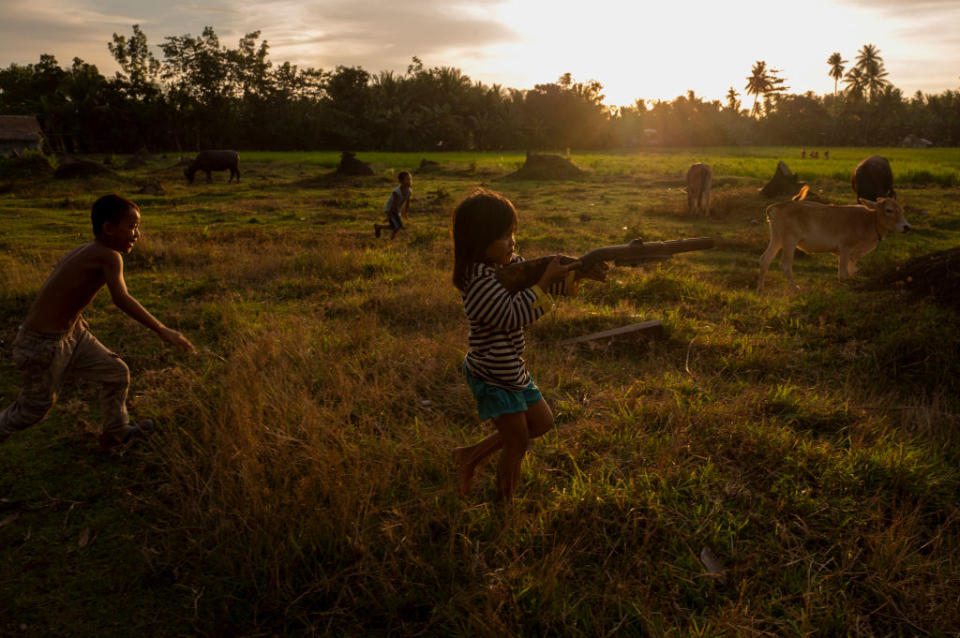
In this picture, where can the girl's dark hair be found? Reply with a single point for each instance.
(479, 219)
(110, 208)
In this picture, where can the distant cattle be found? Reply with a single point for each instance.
(698, 189)
(872, 178)
(208, 161)
(849, 232)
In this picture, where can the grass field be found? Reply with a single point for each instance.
(302, 483)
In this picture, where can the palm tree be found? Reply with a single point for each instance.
(836, 63)
(732, 102)
(762, 81)
(877, 82)
(756, 84)
(871, 67)
(856, 83)
(868, 57)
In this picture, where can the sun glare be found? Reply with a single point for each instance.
(664, 49)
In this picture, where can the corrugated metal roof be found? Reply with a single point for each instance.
(19, 128)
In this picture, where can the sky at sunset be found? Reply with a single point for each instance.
(636, 49)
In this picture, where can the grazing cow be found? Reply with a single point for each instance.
(698, 189)
(849, 232)
(872, 178)
(207, 161)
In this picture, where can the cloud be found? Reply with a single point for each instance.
(932, 35)
(910, 8)
(377, 34)
(59, 27)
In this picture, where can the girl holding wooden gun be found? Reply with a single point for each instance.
(483, 240)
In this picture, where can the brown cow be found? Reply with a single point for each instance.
(698, 189)
(849, 232)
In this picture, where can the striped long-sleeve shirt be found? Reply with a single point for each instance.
(497, 318)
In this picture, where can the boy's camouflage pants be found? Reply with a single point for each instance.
(48, 359)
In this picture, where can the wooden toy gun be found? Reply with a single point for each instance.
(515, 277)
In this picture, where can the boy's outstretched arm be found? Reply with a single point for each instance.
(113, 272)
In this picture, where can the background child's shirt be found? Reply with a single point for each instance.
(397, 200)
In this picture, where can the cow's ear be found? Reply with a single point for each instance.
(867, 202)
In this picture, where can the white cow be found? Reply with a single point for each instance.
(849, 232)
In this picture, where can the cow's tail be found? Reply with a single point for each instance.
(773, 207)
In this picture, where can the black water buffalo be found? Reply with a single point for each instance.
(207, 161)
(872, 178)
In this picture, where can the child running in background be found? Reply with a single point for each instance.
(397, 206)
(54, 341)
(483, 240)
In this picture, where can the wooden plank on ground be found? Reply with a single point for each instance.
(652, 327)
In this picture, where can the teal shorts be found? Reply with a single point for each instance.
(493, 401)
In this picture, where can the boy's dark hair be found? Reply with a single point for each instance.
(402, 174)
(479, 219)
(110, 208)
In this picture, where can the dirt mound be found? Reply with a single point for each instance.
(350, 165)
(783, 182)
(151, 188)
(427, 165)
(936, 275)
(546, 167)
(71, 169)
(135, 161)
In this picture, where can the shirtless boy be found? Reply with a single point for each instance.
(54, 341)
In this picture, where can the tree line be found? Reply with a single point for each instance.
(202, 94)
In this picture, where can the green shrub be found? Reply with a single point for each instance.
(27, 164)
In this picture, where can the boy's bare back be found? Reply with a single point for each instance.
(75, 281)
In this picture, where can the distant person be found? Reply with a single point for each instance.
(54, 341)
(826, 155)
(483, 240)
(398, 204)
(803, 153)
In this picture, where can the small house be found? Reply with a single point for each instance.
(19, 133)
(915, 141)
